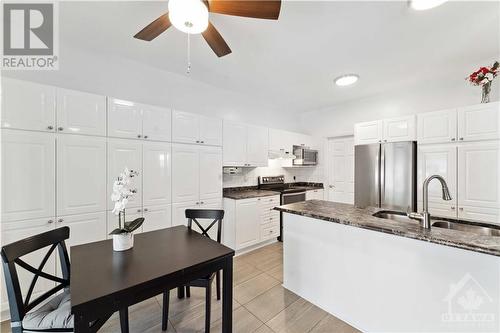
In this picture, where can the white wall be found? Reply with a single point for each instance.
(126, 79)
(437, 93)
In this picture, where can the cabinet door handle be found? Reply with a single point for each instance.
(145, 136)
(202, 141)
(461, 209)
(60, 129)
(50, 221)
(461, 139)
(453, 139)
(60, 220)
(145, 209)
(138, 211)
(50, 127)
(139, 136)
(197, 141)
(202, 202)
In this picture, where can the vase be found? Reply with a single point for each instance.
(123, 241)
(486, 89)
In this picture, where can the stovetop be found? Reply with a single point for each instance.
(277, 183)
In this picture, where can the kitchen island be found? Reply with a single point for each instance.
(382, 275)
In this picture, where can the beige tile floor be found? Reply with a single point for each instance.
(261, 304)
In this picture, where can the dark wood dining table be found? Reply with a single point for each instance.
(104, 281)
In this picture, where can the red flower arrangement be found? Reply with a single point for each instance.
(484, 75)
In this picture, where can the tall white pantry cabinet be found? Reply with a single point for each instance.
(62, 149)
(463, 146)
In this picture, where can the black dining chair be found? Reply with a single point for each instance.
(51, 311)
(216, 215)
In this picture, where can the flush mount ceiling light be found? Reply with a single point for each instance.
(425, 4)
(189, 16)
(346, 80)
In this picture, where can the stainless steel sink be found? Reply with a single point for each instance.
(392, 215)
(470, 228)
(477, 229)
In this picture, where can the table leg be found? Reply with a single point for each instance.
(124, 320)
(180, 292)
(81, 325)
(227, 296)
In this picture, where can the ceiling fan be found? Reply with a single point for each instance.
(191, 16)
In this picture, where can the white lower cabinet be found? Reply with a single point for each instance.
(83, 228)
(248, 222)
(247, 219)
(179, 214)
(14, 231)
(157, 217)
(317, 194)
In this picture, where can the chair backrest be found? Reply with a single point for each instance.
(11, 256)
(216, 215)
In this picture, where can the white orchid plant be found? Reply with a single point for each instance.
(121, 196)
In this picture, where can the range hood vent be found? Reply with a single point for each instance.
(281, 155)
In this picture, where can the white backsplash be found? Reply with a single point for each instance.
(248, 177)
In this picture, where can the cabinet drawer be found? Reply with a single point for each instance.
(269, 200)
(269, 219)
(268, 232)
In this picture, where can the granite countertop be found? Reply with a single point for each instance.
(362, 218)
(248, 194)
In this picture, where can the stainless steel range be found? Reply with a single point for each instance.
(289, 193)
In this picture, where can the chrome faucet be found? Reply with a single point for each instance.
(425, 217)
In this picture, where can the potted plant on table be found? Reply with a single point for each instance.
(484, 77)
(123, 237)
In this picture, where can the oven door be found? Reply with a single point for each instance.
(288, 198)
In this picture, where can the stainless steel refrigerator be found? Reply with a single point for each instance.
(386, 176)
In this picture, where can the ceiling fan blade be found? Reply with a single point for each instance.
(215, 40)
(155, 28)
(263, 9)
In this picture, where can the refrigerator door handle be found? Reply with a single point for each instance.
(382, 175)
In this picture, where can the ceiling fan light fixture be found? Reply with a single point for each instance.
(346, 80)
(189, 16)
(425, 4)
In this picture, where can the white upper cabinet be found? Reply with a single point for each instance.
(245, 145)
(81, 113)
(192, 128)
(210, 161)
(437, 127)
(368, 132)
(27, 105)
(210, 131)
(124, 119)
(479, 122)
(157, 123)
(28, 175)
(438, 160)
(185, 173)
(185, 127)
(257, 145)
(157, 217)
(399, 129)
(121, 154)
(156, 174)
(81, 174)
(479, 175)
(235, 144)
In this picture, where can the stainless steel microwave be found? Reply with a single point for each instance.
(305, 156)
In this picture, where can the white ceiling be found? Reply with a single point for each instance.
(291, 63)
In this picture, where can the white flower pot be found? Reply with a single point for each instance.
(123, 241)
